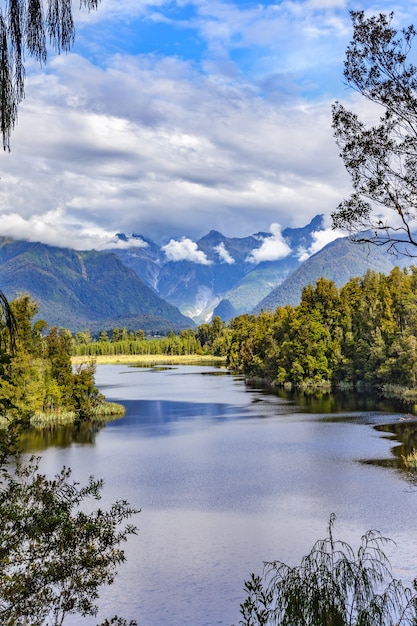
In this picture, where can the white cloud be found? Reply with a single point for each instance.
(185, 250)
(119, 148)
(320, 239)
(129, 242)
(272, 248)
(146, 141)
(224, 254)
(51, 228)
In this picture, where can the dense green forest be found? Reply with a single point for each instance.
(37, 380)
(212, 339)
(364, 333)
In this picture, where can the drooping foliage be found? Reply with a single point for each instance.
(333, 586)
(27, 28)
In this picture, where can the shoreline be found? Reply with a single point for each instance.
(150, 359)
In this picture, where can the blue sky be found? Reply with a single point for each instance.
(172, 118)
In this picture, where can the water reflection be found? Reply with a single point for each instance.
(338, 401)
(59, 436)
(228, 476)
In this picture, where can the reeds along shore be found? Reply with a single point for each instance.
(153, 359)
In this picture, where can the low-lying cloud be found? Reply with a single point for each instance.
(185, 250)
(224, 254)
(320, 239)
(272, 248)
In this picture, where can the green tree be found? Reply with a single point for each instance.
(380, 158)
(104, 337)
(83, 337)
(27, 27)
(54, 555)
(115, 336)
(333, 586)
(59, 351)
(85, 395)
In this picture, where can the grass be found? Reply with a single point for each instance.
(104, 412)
(53, 417)
(109, 410)
(152, 359)
(410, 460)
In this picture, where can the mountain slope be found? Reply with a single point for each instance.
(228, 268)
(339, 261)
(78, 290)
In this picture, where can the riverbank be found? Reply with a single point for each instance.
(105, 412)
(152, 359)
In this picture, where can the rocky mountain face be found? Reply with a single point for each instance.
(182, 283)
(229, 276)
(241, 271)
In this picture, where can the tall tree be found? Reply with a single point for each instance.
(27, 27)
(381, 158)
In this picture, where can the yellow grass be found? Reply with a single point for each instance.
(152, 359)
(410, 460)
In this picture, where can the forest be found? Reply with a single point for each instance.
(37, 379)
(362, 334)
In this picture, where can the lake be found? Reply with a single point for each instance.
(227, 476)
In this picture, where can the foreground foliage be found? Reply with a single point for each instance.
(56, 548)
(29, 28)
(333, 586)
(380, 157)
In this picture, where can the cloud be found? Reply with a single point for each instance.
(224, 254)
(51, 228)
(224, 123)
(272, 248)
(320, 239)
(125, 243)
(185, 250)
(153, 166)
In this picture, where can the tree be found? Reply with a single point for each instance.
(333, 586)
(381, 158)
(85, 395)
(56, 549)
(26, 28)
(7, 325)
(59, 351)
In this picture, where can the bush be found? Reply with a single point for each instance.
(333, 586)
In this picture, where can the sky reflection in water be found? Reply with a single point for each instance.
(226, 477)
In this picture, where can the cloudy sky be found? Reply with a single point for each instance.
(171, 118)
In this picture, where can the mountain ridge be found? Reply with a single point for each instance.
(83, 289)
(156, 288)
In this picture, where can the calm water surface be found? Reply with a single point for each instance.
(228, 477)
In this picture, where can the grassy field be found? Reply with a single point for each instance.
(153, 359)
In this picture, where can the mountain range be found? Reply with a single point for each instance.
(79, 290)
(140, 284)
